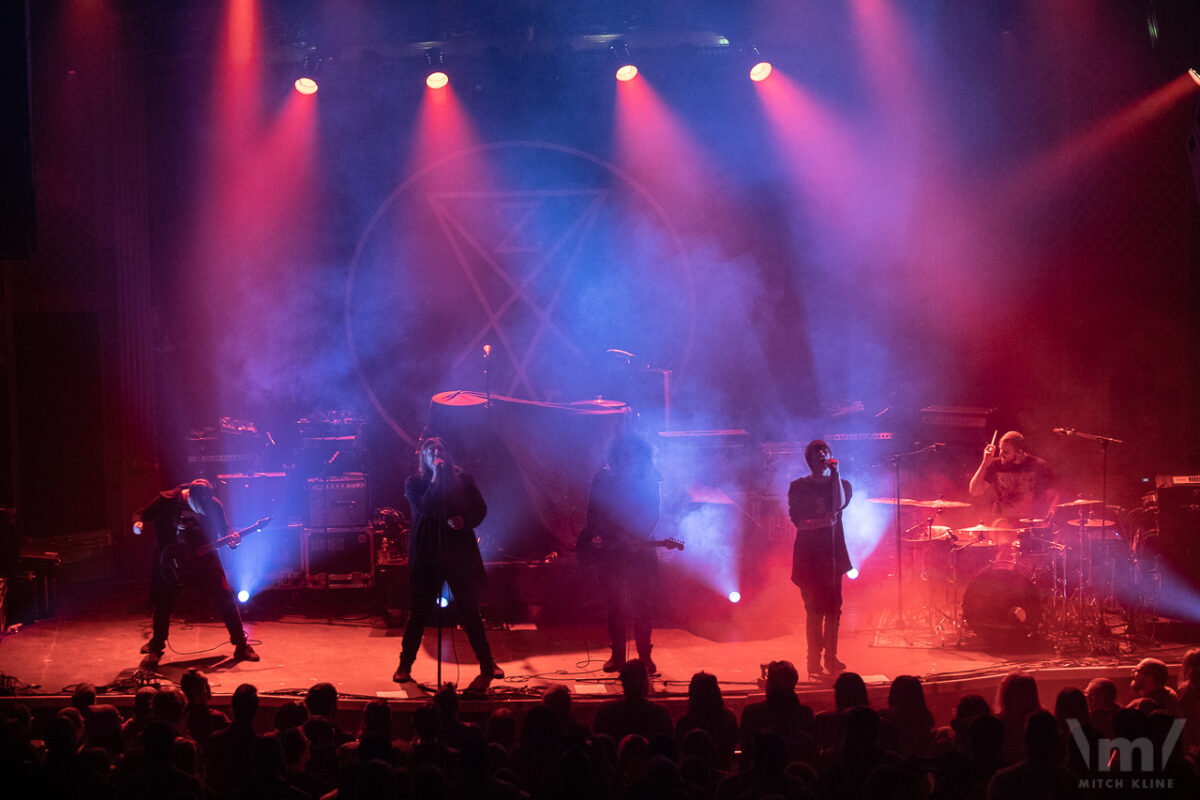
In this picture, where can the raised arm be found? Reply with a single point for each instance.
(978, 480)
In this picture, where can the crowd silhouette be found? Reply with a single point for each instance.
(175, 745)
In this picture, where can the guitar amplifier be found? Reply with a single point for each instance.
(339, 558)
(250, 497)
(1179, 528)
(338, 502)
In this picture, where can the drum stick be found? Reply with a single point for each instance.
(994, 434)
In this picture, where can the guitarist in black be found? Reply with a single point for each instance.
(623, 510)
(184, 520)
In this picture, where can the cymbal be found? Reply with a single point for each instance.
(986, 529)
(600, 402)
(904, 501)
(1092, 523)
(1080, 502)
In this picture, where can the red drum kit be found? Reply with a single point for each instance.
(1016, 584)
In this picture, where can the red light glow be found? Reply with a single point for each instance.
(306, 86)
(437, 80)
(627, 72)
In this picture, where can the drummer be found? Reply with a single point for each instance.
(1023, 483)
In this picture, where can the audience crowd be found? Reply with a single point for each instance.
(174, 745)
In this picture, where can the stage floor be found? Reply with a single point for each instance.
(307, 637)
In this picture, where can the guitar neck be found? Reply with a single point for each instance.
(212, 547)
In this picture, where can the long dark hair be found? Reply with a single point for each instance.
(422, 467)
(630, 453)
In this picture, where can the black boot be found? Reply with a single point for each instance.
(832, 665)
(244, 652)
(403, 673)
(644, 657)
(153, 647)
(814, 638)
(617, 660)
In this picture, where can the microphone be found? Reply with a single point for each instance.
(833, 464)
(1064, 431)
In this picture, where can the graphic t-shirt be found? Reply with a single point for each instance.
(1020, 488)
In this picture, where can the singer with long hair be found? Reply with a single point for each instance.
(819, 556)
(446, 508)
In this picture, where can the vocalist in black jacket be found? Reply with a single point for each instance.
(446, 508)
(819, 557)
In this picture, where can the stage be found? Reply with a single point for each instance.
(307, 637)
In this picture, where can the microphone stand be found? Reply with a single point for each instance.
(487, 377)
(1104, 442)
(443, 521)
(896, 458)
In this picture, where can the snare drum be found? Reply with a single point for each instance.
(1037, 538)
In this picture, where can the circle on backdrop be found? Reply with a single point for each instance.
(545, 253)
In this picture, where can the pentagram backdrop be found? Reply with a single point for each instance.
(956, 204)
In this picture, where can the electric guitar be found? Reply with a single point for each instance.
(177, 559)
(589, 552)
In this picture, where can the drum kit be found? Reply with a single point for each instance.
(1011, 586)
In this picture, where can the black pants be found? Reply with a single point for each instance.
(823, 606)
(209, 581)
(424, 590)
(628, 586)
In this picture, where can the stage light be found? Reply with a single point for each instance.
(1195, 75)
(443, 601)
(314, 65)
(852, 574)
(751, 58)
(735, 597)
(623, 56)
(243, 596)
(760, 71)
(436, 60)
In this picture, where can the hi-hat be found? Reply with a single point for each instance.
(937, 534)
(1080, 502)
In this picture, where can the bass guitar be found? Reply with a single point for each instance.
(178, 559)
(589, 551)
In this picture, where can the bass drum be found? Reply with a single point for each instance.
(1002, 605)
